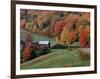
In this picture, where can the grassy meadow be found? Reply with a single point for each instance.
(57, 58)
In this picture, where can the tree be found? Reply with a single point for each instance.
(27, 53)
(84, 30)
(35, 26)
(71, 37)
(84, 37)
(58, 28)
(28, 47)
(63, 36)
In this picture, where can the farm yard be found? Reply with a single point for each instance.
(51, 39)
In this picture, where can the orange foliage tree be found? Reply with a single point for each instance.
(71, 37)
(58, 28)
(84, 30)
(28, 49)
(27, 53)
(84, 38)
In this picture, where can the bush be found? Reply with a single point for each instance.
(59, 46)
(33, 54)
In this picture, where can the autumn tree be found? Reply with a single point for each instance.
(27, 52)
(63, 36)
(83, 27)
(70, 21)
(71, 37)
(28, 47)
(35, 25)
(58, 28)
(84, 37)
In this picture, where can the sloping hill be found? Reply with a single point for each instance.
(57, 58)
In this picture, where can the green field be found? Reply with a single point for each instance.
(57, 58)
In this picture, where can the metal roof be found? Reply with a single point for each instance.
(43, 42)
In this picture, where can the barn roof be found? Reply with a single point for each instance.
(43, 42)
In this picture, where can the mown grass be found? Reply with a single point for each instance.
(57, 58)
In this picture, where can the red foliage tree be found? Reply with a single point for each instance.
(27, 53)
(58, 28)
(28, 49)
(84, 38)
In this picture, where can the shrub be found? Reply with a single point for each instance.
(33, 54)
(59, 46)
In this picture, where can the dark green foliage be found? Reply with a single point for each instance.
(43, 51)
(33, 54)
(43, 25)
(59, 46)
(21, 53)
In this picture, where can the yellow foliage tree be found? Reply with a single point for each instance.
(63, 36)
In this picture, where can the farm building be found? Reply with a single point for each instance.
(44, 44)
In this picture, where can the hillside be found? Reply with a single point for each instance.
(57, 58)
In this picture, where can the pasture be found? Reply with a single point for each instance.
(56, 59)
